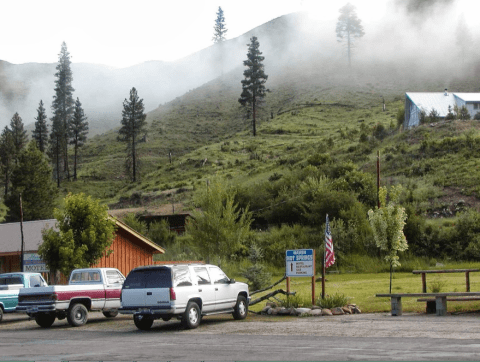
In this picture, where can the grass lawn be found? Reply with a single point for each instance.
(362, 288)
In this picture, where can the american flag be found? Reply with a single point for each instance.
(329, 254)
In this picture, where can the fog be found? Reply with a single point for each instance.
(415, 39)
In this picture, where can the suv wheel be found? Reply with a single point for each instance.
(142, 322)
(191, 318)
(110, 313)
(241, 308)
(77, 315)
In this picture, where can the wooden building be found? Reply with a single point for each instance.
(129, 248)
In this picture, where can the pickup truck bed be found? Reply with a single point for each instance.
(88, 289)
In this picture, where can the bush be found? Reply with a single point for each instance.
(333, 301)
(256, 274)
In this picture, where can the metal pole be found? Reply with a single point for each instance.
(323, 268)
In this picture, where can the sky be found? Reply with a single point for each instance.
(121, 33)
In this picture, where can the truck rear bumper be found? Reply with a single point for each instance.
(35, 309)
(160, 311)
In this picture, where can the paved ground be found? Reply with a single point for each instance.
(349, 337)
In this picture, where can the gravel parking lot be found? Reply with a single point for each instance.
(376, 336)
(458, 326)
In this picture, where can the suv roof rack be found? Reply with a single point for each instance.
(162, 262)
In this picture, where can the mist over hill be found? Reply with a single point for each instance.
(414, 43)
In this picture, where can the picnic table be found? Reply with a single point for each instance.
(440, 271)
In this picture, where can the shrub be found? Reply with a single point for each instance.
(256, 274)
(333, 301)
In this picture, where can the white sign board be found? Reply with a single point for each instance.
(33, 263)
(299, 263)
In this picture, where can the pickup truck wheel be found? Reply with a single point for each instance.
(110, 313)
(191, 318)
(241, 308)
(142, 322)
(1, 314)
(44, 320)
(77, 315)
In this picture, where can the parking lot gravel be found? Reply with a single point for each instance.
(451, 326)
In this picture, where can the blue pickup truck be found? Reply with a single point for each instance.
(10, 285)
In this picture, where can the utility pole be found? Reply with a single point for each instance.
(378, 179)
(21, 233)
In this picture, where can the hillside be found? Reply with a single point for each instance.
(317, 105)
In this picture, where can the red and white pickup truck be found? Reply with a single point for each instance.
(88, 290)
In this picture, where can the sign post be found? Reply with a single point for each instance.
(301, 263)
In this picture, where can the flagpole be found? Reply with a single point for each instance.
(323, 266)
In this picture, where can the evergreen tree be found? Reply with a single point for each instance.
(63, 104)
(32, 178)
(78, 131)
(219, 30)
(349, 27)
(133, 123)
(19, 135)
(253, 86)
(55, 147)
(40, 133)
(7, 151)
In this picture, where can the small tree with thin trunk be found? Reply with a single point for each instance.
(253, 85)
(40, 133)
(133, 124)
(387, 224)
(349, 28)
(78, 132)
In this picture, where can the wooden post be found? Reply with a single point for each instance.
(467, 280)
(323, 277)
(424, 283)
(288, 285)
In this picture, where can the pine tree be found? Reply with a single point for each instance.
(219, 30)
(19, 135)
(253, 86)
(63, 104)
(40, 133)
(78, 132)
(32, 178)
(7, 151)
(55, 147)
(349, 27)
(133, 123)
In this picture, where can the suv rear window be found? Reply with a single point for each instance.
(151, 278)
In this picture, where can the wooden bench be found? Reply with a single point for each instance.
(425, 272)
(440, 300)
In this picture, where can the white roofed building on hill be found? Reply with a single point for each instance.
(416, 102)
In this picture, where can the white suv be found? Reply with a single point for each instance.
(184, 291)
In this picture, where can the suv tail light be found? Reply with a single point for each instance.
(173, 296)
